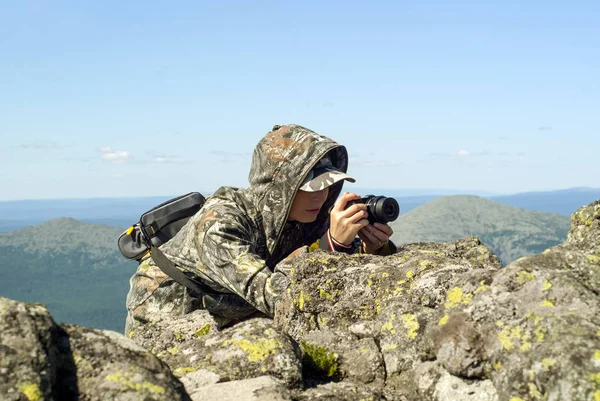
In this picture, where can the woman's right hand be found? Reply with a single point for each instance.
(345, 223)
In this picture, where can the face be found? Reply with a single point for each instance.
(307, 205)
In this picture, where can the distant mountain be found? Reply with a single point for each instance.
(73, 267)
(564, 202)
(508, 231)
(122, 212)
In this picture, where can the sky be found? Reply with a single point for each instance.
(112, 98)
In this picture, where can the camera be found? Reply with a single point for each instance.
(381, 209)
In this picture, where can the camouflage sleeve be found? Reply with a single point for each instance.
(228, 258)
(152, 295)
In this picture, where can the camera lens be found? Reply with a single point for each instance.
(386, 209)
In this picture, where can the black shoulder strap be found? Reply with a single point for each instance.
(172, 271)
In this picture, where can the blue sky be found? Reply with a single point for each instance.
(105, 99)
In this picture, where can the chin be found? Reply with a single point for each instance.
(309, 218)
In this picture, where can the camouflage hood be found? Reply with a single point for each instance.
(280, 162)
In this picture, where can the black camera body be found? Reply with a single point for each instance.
(381, 209)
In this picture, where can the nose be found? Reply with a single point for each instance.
(320, 196)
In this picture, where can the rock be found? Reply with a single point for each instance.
(28, 352)
(250, 349)
(109, 366)
(40, 360)
(436, 321)
(262, 388)
(448, 316)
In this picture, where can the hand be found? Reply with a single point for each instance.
(375, 236)
(345, 223)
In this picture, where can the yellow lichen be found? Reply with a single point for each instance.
(257, 351)
(411, 324)
(593, 258)
(390, 347)
(523, 276)
(508, 334)
(126, 380)
(409, 274)
(184, 370)
(324, 294)
(303, 298)
(547, 363)
(130, 334)
(320, 359)
(497, 365)
(500, 323)
(539, 336)
(547, 303)
(31, 391)
(597, 355)
(482, 287)
(389, 326)
(443, 320)
(516, 399)
(456, 296)
(597, 395)
(534, 392)
(173, 350)
(384, 275)
(546, 286)
(595, 377)
(203, 331)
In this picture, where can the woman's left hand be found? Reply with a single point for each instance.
(375, 236)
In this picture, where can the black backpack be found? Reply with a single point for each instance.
(156, 227)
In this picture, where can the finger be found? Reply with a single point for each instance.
(354, 209)
(340, 204)
(370, 239)
(378, 234)
(385, 228)
(359, 215)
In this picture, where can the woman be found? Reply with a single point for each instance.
(241, 242)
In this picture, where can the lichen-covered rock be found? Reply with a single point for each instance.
(436, 321)
(263, 388)
(339, 391)
(28, 352)
(450, 323)
(109, 366)
(249, 349)
(40, 360)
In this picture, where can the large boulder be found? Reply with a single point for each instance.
(449, 322)
(40, 360)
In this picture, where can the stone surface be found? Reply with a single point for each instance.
(262, 388)
(40, 360)
(436, 321)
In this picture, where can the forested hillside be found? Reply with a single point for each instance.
(508, 231)
(72, 267)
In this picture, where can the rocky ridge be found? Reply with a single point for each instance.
(436, 321)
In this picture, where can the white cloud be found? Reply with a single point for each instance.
(114, 156)
(167, 159)
(462, 153)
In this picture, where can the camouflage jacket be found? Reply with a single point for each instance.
(240, 243)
